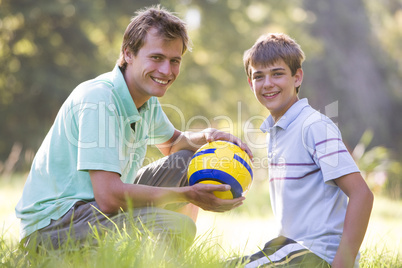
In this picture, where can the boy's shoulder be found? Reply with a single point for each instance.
(314, 125)
(309, 116)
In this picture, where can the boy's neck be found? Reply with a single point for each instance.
(277, 116)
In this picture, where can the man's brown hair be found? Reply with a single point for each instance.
(168, 25)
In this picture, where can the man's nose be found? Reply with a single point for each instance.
(165, 68)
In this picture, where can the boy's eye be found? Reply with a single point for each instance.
(156, 57)
(278, 74)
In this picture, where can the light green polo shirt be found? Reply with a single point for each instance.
(92, 131)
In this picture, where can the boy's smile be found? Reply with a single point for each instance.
(275, 87)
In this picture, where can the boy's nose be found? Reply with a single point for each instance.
(268, 82)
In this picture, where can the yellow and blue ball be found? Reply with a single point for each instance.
(222, 162)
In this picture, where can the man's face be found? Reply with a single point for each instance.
(154, 68)
(275, 87)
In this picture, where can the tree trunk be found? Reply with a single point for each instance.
(348, 70)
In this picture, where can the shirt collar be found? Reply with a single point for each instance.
(290, 115)
(124, 93)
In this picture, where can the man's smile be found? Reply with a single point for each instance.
(160, 81)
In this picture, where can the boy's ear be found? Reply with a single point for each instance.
(250, 83)
(298, 77)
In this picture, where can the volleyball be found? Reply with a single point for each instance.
(222, 162)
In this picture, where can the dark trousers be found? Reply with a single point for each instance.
(283, 252)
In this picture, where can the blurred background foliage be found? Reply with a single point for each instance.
(353, 70)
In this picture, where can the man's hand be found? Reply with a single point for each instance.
(202, 196)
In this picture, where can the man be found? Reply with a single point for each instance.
(87, 169)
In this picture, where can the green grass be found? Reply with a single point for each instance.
(219, 237)
(114, 251)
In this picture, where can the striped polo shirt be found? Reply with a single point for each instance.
(306, 153)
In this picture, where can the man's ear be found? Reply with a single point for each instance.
(298, 77)
(128, 56)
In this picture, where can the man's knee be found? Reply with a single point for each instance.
(185, 154)
(188, 227)
(183, 231)
(181, 159)
(170, 223)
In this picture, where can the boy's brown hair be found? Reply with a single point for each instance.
(168, 25)
(270, 48)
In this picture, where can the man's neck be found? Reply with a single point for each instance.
(138, 101)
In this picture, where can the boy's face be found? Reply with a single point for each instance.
(154, 68)
(275, 87)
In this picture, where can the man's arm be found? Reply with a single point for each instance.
(356, 219)
(194, 140)
(112, 194)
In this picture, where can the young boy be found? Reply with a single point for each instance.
(311, 173)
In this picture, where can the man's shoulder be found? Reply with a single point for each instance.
(96, 90)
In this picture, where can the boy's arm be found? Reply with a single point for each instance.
(356, 219)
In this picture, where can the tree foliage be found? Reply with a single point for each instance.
(352, 72)
(47, 48)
